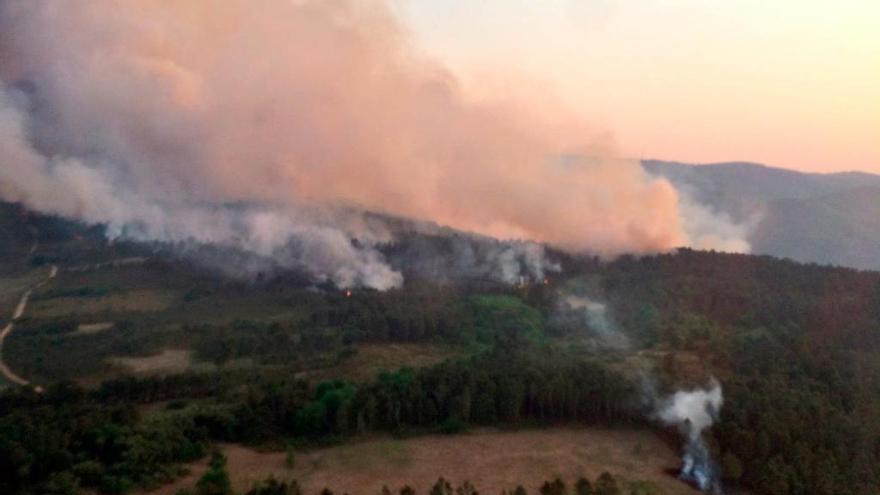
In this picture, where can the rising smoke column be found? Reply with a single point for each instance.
(251, 124)
(693, 411)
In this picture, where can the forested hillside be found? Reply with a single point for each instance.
(276, 361)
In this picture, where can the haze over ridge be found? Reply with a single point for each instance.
(250, 127)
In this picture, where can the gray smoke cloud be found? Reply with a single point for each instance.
(446, 256)
(271, 128)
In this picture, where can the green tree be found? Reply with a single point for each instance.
(606, 485)
(61, 483)
(290, 458)
(115, 484)
(555, 487)
(215, 481)
(466, 488)
(731, 467)
(775, 477)
(441, 487)
(271, 486)
(583, 486)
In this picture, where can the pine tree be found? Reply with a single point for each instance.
(215, 481)
(555, 487)
(441, 487)
(606, 485)
(290, 458)
(466, 488)
(583, 487)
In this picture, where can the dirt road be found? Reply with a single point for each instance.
(7, 330)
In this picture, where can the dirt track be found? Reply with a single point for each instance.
(18, 313)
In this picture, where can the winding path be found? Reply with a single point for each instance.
(22, 303)
(19, 311)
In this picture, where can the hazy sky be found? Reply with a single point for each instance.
(791, 83)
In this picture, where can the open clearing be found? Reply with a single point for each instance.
(167, 361)
(492, 460)
(144, 300)
(93, 328)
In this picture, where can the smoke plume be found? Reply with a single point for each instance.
(597, 317)
(692, 412)
(271, 127)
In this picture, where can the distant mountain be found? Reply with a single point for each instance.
(819, 218)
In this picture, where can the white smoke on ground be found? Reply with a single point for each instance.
(595, 313)
(442, 255)
(271, 129)
(576, 310)
(693, 411)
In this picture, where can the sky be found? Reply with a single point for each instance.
(789, 83)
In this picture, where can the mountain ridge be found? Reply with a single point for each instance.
(825, 218)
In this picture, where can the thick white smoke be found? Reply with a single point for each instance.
(271, 126)
(696, 409)
(693, 411)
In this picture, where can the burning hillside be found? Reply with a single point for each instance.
(272, 129)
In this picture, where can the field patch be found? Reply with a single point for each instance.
(139, 300)
(492, 460)
(167, 361)
(92, 328)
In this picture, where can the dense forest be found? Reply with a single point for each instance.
(99, 438)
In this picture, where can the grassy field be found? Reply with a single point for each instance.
(130, 301)
(167, 361)
(492, 460)
(93, 328)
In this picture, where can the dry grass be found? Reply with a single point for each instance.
(93, 328)
(490, 459)
(167, 361)
(143, 300)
